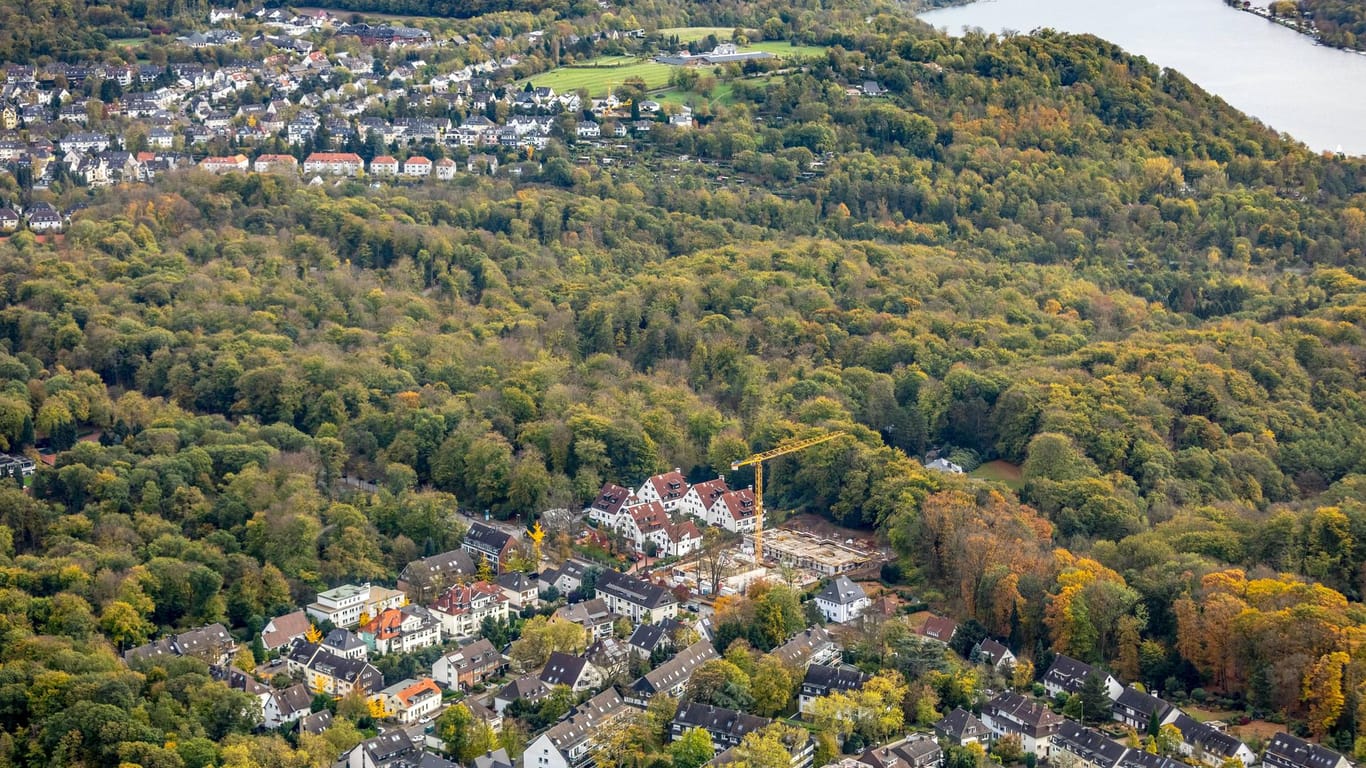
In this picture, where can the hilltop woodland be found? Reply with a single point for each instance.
(1035, 249)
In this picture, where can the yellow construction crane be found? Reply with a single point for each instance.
(758, 460)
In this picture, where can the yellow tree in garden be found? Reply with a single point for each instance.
(537, 535)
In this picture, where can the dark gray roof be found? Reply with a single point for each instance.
(726, 726)
(913, 751)
(495, 759)
(563, 669)
(992, 651)
(1069, 674)
(634, 590)
(676, 670)
(841, 591)
(1286, 751)
(316, 723)
(823, 678)
(961, 724)
(342, 640)
(1092, 746)
(1146, 705)
(486, 538)
(1212, 741)
(528, 687)
(800, 649)
(455, 562)
(1029, 715)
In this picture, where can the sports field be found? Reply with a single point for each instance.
(693, 34)
(784, 48)
(599, 80)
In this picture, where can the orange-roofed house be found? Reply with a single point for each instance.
(334, 164)
(384, 165)
(276, 164)
(463, 608)
(410, 701)
(401, 630)
(225, 164)
(417, 166)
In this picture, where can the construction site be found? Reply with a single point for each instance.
(804, 556)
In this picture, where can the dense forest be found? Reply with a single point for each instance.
(1339, 22)
(1036, 249)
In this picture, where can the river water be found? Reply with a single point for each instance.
(1314, 93)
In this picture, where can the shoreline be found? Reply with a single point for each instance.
(1298, 25)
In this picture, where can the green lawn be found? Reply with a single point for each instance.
(784, 48)
(693, 34)
(599, 80)
(1000, 471)
(723, 93)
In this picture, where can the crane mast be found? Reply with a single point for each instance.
(757, 460)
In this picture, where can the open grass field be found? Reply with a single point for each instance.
(1000, 471)
(784, 48)
(693, 34)
(599, 80)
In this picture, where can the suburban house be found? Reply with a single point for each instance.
(344, 605)
(1286, 751)
(593, 615)
(567, 578)
(463, 608)
(813, 645)
(9, 220)
(280, 631)
(637, 600)
(1137, 709)
(824, 679)
(329, 673)
(384, 165)
(490, 543)
(211, 644)
(275, 164)
(528, 688)
(408, 701)
(1090, 748)
(1209, 745)
(939, 629)
(842, 600)
(287, 706)
(609, 503)
(570, 742)
(346, 644)
(668, 489)
(916, 751)
(610, 655)
(698, 501)
(671, 677)
(521, 590)
(648, 638)
(417, 166)
(962, 728)
(334, 164)
(384, 750)
(316, 723)
(424, 579)
(994, 653)
(735, 511)
(1031, 721)
(402, 630)
(226, 164)
(470, 666)
(573, 671)
(1067, 675)
(445, 169)
(727, 727)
